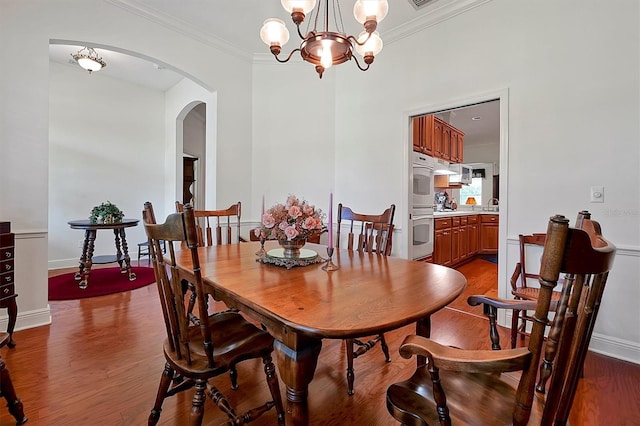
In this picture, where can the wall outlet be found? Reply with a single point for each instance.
(597, 194)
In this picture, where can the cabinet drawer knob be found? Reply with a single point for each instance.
(5, 291)
(7, 267)
(7, 279)
(7, 254)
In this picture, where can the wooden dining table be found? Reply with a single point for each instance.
(301, 306)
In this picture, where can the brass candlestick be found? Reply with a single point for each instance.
(330, 266)
(261, 252)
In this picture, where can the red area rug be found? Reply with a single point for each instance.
(101, 282)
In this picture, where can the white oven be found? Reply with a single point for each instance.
(422, 232)
(422, 173)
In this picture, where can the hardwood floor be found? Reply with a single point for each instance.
(101, 359)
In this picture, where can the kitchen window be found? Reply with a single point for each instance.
(473, 190)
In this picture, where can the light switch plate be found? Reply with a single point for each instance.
(597, 194)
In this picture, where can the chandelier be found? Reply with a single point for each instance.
(89, 60)
(321, 46)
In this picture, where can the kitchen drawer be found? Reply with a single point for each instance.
(443, 223)
(463, 220)
(472, 219)
(485, 218)
(455, 221)
(6, 266)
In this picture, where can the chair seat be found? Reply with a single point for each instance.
(532, 293)
(470, 398)
(235, 340)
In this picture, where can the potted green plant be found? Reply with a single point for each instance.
(106, 213)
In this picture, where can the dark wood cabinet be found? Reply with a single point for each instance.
(442, 242)
(457, 238)
(435, 137)
(7, 286)
(188, 178)
(472, 235)
(422, 128)
(489, 225)
(456, 142)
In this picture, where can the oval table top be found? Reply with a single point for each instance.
(369, 294)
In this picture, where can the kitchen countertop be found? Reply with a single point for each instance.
(461, 213)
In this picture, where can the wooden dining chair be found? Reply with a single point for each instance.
(458, 386)
(221, 230)
(6, 386)
(373, 236)
(520, 285)
(196, 353)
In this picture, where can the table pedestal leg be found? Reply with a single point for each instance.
(423, 328)
(85, 259)
(297, 368)
(126, 267)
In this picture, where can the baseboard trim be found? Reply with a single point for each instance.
(28, 319)
(623, 350)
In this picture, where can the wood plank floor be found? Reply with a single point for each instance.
(100, 361)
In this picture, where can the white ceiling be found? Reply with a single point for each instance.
(216, 22)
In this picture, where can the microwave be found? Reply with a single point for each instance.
(461, 174)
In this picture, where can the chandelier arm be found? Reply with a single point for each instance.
(282, 61)
(358, 63)
(355, 40)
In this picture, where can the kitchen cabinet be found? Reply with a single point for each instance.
(456, 141)
(422, 128)
(442, 242)
(472, 235)
(435, 137)
(456, 238)
(489, 224)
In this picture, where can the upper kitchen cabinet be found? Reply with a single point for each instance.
(422, 134)
(457, 145)
(435, 137)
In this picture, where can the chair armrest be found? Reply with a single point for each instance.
(515, 276)
(471, 361)
(513, 304)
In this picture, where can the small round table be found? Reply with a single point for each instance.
(87, 259)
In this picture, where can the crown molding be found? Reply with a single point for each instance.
(437, 12)
(181, 27)
(440, 11)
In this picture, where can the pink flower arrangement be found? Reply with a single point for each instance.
(294, 219)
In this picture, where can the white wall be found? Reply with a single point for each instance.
(24, 117)
(572, 82)
(293, 135)
(106, 142)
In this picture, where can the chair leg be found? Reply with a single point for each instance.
(514, 327)
(385, 348)
(165, 381)
(9, 393)
(197, 405)
(274, 387)
(350, 373)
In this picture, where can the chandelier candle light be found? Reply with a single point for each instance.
(321, 46)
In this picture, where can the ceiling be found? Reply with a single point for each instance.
(210, 22)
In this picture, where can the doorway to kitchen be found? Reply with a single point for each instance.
(483, 120)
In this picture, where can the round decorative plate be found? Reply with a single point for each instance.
(305, 254)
